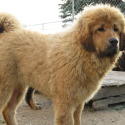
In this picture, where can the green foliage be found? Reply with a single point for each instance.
(1, 121)
(66, 7)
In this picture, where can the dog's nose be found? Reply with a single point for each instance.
(113, 41)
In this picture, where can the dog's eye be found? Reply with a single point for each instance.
(115, 29)
(101, 29)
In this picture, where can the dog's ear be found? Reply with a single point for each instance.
(88, 44)
(122, 42)
(85, 35)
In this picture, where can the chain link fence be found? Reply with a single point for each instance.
(71, 8)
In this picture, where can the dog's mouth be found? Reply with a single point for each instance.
(109, 52)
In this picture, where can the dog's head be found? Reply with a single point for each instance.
(102, 29)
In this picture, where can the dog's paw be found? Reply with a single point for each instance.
(36, 107)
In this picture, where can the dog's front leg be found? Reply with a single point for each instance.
(63, 113)
(77, 114)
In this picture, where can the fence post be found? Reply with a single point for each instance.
(73, 14)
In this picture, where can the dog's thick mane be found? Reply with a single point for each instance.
(80, 64)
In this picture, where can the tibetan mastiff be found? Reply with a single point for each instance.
(67, 67)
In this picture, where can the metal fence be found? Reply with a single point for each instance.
(47, 27)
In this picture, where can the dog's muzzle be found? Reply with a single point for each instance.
(112, 48)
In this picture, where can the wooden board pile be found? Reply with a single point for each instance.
(111, 92)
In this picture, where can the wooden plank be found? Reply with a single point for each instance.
(114, 78)
(103, 104)
(109, 91)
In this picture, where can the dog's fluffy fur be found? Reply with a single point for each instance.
(67, 67)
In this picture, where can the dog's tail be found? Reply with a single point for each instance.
(8, 23)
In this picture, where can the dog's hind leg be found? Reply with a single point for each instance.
(9, 109)
(5, 94)
(29, 99)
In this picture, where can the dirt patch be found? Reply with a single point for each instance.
(26, 116)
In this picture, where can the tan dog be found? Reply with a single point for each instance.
(68, 67)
